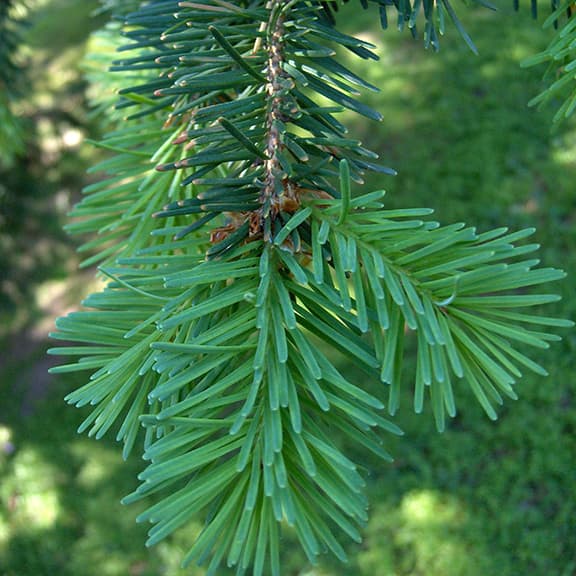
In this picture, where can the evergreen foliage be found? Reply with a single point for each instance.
(237, 259)
(561, 58)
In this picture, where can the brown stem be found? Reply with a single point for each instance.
(274, 176)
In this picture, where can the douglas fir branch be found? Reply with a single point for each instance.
(240, 253)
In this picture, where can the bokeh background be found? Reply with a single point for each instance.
(482, 499)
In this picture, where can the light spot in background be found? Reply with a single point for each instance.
(72, 137)
(100, 462)
(564, 151)
(60, 297)
(434, 526)
(372, 38)
(6, 445)
(428, 533)
(4, 533)
(31, 495)
(427, 508)
(40, 509)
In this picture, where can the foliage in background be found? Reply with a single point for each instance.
(561, 58)
(45, 178)
(217, 358)
(11, 131)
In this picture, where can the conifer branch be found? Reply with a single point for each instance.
(244, 248)
(560, 55)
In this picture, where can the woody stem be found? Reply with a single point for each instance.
(275, 89)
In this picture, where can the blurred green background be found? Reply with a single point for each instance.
(483, 499)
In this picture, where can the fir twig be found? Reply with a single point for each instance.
(236, 255)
